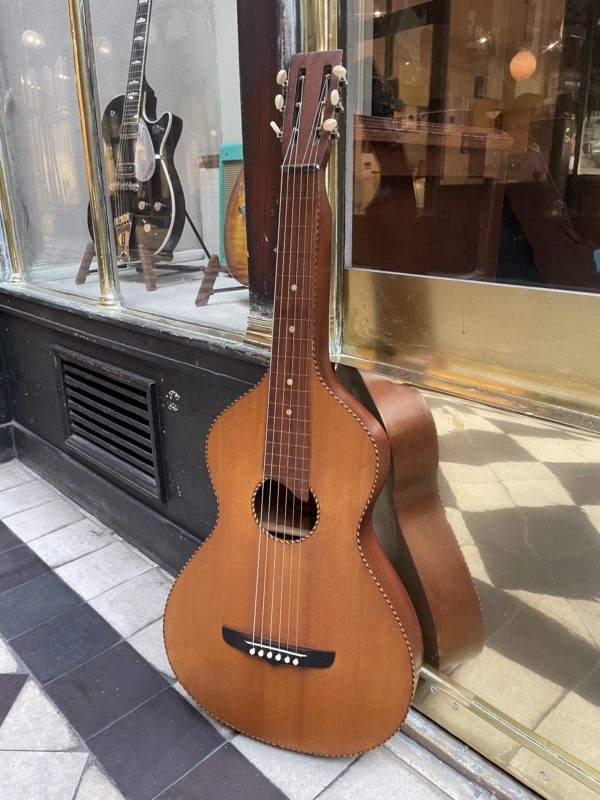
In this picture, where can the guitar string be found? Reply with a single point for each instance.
(262, 502)
(294, 420)
(304, 257)
(282, 321)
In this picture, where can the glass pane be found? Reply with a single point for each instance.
(44, 142)
(168, 80)
(476, 140)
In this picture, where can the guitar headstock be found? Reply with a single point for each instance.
(309, 101)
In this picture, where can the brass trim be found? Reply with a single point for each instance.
(6, 206)
(532, 350)
(547, 751)
(87, 96)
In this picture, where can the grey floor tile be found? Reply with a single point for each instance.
(23, 497)
(96, 786)
(64, 642)
(43, 519)
(380, 775)
(18, 566)
(150, 643)
(34, 723)
(10, 686)
(72, 542)
(34, 602)
(299, 776)
(136, 603)
(40, 776)
(167, 731)
(8, 539)
(8, 663)
(104, 689)
(12, 473)
(226, 775)
(98, 572)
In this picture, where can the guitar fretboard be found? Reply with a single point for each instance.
(288, 416)
(135, 77)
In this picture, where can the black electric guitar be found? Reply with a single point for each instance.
(146, 195)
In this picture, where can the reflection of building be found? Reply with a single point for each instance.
(462, 172)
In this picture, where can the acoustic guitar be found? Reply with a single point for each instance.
(146, 195)
(289, 623)
(235, 242)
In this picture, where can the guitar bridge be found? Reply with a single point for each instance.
(277, 653)
(123, 232)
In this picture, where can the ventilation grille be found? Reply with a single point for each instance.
(110, 419)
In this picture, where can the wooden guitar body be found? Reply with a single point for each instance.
(235, 242)
(350, 597)
(156, 206)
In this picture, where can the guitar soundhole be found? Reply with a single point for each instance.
(282, 514)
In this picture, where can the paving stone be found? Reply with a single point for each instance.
(98, 572)
(379, 775)
(96, 786)
(10, 686)
(226, 775)
(136, 603)
(40, 776)
(23, 497)
(167, 731)
(72, 542)
(105, 688)
(150, 643)
(43, 519)
(64, 642)
(8, 663)
(34, 602)
(8, 540)
(225, 731)
(34, 723)
(12, 473)
(18, 566)
(299, 776)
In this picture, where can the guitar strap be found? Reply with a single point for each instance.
(417, 535)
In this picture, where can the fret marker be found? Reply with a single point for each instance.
(136, 61)
(140, 20)
(288, 411)
(133, 83)
(290, 381)
(293, 287)
(292, 328)
(139, 39)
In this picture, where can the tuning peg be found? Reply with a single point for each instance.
(279, 102)
(281, 77)
(277, 129)
(335, 97)
(330, 125)
(340, 73)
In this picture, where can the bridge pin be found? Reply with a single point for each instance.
(261, 653)
(287, 659)
(278, 657)
(295, 662)
(252, 651)
(269, 654)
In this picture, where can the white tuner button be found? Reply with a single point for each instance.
(330, 124)
(252, 651)
(335, 97)
(276, 128)
(279, 102)
(295, 662)
(339, 71)
(281, 77)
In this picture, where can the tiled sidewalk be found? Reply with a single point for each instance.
(88, 702)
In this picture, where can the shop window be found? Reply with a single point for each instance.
(43, 142)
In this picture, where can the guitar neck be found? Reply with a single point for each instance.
(295, 326)
(137, 67)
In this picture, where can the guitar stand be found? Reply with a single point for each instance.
(145, 266)
(207, 287)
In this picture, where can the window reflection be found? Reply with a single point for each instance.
(477, 140)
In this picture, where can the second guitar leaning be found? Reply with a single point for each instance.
(146, 195)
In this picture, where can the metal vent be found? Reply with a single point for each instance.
(110, 419)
